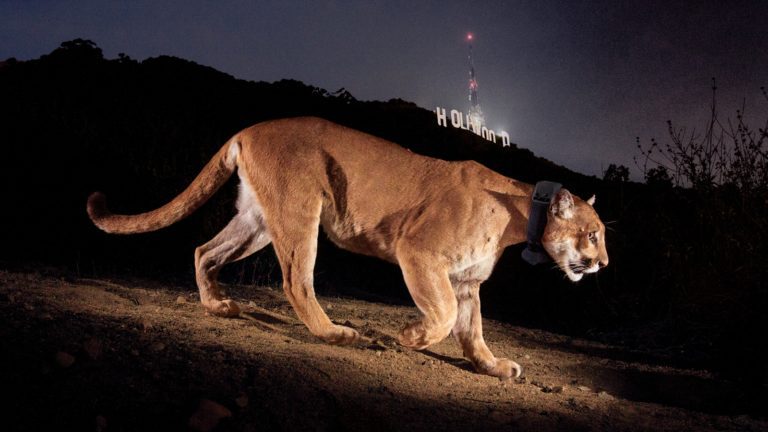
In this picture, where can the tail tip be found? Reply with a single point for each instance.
(97, 206)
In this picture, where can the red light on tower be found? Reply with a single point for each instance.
(469, 36)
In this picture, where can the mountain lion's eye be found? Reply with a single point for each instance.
(592, 237)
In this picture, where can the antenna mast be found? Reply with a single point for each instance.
(476, 117)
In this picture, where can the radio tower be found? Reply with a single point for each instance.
(475, 113)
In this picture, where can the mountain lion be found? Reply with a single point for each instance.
(444, 223)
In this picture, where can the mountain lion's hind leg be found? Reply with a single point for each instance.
(244, 235)
(468, 331)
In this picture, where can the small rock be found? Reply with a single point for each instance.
(29, 307)
(94, 348)
(558, 389)
(134, 353)
(329, 306)
(242, 400)
(527, 357)
(208, 415)
(604, 395)
(157, 346)
(46, 316)
(146, 325)
(584, 388)
(378, 353)
(181, 300)
(64, 359)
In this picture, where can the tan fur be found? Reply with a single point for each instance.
(444, 223)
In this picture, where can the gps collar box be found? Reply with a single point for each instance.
(543, 194)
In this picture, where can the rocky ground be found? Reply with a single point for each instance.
(107, 355)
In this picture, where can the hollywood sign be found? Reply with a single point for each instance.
(460, 120)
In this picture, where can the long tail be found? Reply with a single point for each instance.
(210, 179)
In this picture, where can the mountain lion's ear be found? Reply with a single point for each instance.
(562, 204)
(591, 200)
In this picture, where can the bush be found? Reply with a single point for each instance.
(729, 154)
(713, 260)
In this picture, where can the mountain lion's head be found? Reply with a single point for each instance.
(574, 236)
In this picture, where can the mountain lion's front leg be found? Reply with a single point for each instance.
(431, 290)
(468, 331)
(295, 242)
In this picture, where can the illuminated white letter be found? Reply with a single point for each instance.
(442, 118)
(504, 139)
(455, 119)
(470, 124)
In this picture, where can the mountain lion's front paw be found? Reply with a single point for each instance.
(341, 335)
(502, 368)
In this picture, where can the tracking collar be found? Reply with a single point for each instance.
(542, 196)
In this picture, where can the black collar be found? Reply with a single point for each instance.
(543, 194)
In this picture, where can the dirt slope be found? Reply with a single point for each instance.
(101, 355)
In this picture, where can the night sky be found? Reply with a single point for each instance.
(574, 81)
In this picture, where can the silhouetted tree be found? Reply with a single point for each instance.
(658, 177)
(79, 49)
(616, 173)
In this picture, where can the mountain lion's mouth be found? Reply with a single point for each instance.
(574, 271)
(574, 277)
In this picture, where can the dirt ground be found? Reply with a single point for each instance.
(106, 355)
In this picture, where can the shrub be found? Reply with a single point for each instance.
(713, 260)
